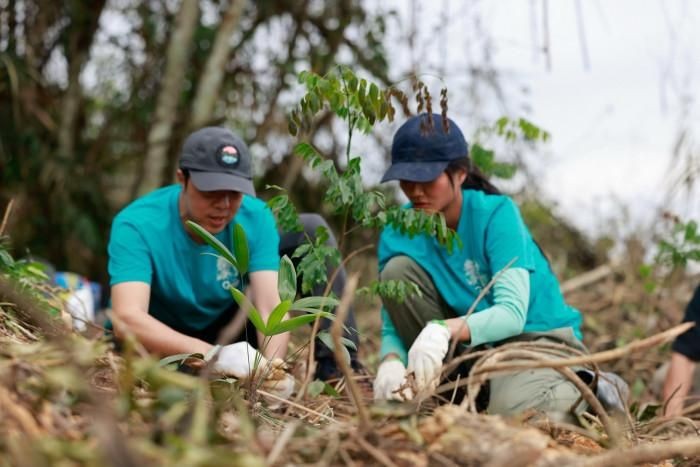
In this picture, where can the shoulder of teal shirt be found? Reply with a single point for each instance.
(144, 221)
(507, 215)
(153, 201)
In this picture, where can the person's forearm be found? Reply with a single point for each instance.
(677, 384)
(157, 337)
(505, 318)
(275, 346)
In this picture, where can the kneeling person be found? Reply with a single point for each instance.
(436, 175)
(168, 288)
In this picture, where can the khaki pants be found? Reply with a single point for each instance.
(543, 389)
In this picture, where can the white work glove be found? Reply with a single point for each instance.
(242, 361)
(276, 380)
(427, 353)
(391, 376)
(239, 360)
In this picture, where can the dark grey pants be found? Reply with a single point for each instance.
(542, 389)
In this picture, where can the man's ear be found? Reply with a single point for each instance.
(180, 177)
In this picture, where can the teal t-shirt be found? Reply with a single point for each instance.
(492, 234)
(189, 283)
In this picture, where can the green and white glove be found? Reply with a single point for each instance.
(427, 353)
(390, 383)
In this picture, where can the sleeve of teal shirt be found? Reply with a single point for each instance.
(391, 342)
(506, 318)
(508, 238)
(264, 254)
(129, 257)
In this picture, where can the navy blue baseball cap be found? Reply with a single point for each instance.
(218, 160)
(421, 154)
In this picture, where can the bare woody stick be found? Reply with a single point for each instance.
(343, 365)
(599, 357)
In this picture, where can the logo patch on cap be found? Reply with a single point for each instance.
(228, 156)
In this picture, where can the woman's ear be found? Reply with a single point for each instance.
(460, 175)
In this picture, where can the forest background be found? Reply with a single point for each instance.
(97, 99)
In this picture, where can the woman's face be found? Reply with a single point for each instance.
(438, 195)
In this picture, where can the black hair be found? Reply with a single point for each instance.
(475, 179)
(185, 174)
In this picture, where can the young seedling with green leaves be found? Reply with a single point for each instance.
(679, 247)
(311, 307)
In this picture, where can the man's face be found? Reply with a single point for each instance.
(213, 210)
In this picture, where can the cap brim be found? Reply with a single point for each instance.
(415, 171)
(216, 181)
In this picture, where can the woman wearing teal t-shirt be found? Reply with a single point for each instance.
(432, 165)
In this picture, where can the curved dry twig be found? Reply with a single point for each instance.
(599, 357)
(480, 297)
(531, 354)
(658, 426)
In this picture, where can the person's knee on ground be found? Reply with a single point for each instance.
(412, 314)
(543, 389)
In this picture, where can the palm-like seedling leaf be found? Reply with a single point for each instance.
(287, 279)
(253, 314)
(214, 243)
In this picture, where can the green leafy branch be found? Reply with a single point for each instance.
(682, 246)
(511, 131)
(314, 256)
(353, 99)
(31, 277)
(284, 210)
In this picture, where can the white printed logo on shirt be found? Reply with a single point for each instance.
(475, 277)
(226, 275)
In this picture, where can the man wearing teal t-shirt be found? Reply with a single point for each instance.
(168, 288)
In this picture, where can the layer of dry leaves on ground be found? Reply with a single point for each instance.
(68, 399)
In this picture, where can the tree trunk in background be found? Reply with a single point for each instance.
(118, 131)
(212, 77)
(168, 97)
(84, 23)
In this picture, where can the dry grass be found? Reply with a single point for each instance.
(67, 399)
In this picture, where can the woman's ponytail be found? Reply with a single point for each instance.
(475, 179)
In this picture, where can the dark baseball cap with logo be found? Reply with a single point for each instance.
(217, 159)
(420, 152)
